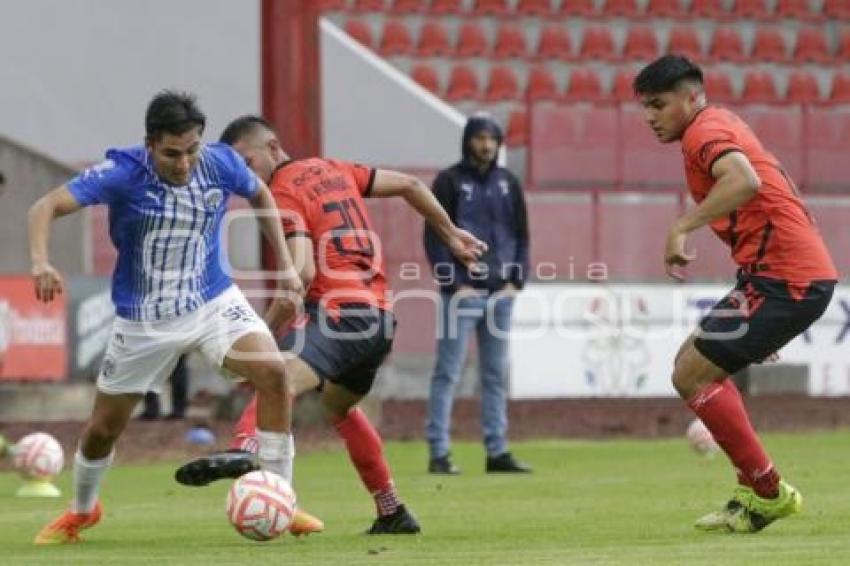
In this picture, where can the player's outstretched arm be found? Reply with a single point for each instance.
(54, 204)
(463, 245)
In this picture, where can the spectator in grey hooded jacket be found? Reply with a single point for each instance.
(486, 199)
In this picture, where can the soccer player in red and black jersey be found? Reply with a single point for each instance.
(348, 328)
(785, 277)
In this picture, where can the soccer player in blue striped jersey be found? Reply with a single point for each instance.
(171, 287)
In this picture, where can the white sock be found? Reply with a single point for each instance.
(87, 477)
(276, 453)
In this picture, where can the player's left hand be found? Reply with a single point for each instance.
(466, 248)
(675, 255)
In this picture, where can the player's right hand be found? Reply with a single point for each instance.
(466, 248)
(48, 283)
(288, 297)
(675, 255)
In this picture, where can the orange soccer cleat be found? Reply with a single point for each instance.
(66, 529)
(304, 523)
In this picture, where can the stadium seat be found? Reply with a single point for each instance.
(502, 85)
(726, 45)
(839, 93)
(463, 84)
(641, 44)
(769, 45)
(812, 46)
(797, 10)
(510, 41)
(711, 9)
(759, 87)
(360, 30)
(555, 43)
(582, 8)
(408, 6)
(471, 41)
(517, 131)
(541, 8)
(665, 9)
(584, 86)
(490, 8)
(396, 39)
(542, 85)
(802, 88)
(837, 9)
(623, 80)
(598, 43)
(826, 142)
(333, 5)
(718, 87)
(446, 7)
(685, 40)
(427, 77)
(752, 9)
(368, 6)
(433, 40)
(621, 9)
(844, 45)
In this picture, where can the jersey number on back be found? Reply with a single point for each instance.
(353, 235)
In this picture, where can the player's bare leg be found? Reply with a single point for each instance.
(761, 496)
(109, 418)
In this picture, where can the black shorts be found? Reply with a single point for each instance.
(346, 350)
(757, 318)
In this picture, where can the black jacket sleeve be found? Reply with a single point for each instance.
(447, 271)
(520, 275)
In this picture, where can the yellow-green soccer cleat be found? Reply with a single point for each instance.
(718, 520)
(757, 513)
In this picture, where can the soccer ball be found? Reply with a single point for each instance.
(38, 455)
(700, 439)
(260, 505)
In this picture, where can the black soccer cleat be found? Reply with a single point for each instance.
(443, 465)
(505, 463)
(402, 522)
(201, 471)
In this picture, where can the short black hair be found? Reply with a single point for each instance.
(173, 112)
(665, 73)
(243, 126)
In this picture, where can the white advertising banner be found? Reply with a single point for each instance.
(620, 340)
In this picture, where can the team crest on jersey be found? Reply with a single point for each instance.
(100, 169)
(504, 186)
(467, 190)
(213, 198)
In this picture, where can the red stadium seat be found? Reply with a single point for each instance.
(490, 8)
(463, 84)
(726, 45)
(621, 9)
(752, 9)
(685, 40)
(542, 85)
(583, 8)
(837, 9)
(502, 85)
(555, 43)
(368, 6)
(510, 41)
(769, 45)
(471, 41)
(396, 39)
(598, 43)
(360, 31)
(623, 80)
(759, 87)
(333, 5)
(844, 45)
(427, 77)
(584, 86)
(713, 9)
(802, 88)
(408, 6)
(826, 142)
(797, 10)
(665, 9)
(840, 91)
(812, 46)
(718, 87)
(540, 8)
(517, 132)
(433, 40)
(641, 44)
(446, 7)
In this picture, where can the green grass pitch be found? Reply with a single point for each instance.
(615, 502)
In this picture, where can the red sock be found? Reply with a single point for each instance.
(366, 452)
(245, 431)
(720, 407)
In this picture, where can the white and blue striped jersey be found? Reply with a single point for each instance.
(167, 237)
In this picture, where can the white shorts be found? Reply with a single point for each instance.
(141, 355)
